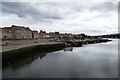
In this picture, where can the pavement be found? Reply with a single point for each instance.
(16, 44)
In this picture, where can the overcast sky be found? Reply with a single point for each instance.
(88, 17)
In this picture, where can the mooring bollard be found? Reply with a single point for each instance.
(6, 43)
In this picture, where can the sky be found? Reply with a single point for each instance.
(86, 16)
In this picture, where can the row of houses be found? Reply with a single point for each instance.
(21, 32)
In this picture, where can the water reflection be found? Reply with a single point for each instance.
(89, 61)
(24, 59)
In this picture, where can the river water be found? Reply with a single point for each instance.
(89, 61)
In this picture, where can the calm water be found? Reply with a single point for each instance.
(90, 61)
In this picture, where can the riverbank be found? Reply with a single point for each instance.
(15, 47)
(83, 42)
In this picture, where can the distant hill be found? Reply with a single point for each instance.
(117, 35)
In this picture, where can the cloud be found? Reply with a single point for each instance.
(60, 0)
(103, 6)
(71, 17)
(106, 6)
(25, 9)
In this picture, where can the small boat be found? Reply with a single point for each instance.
(68, 49)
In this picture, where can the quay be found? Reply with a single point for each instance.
(14, 48)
